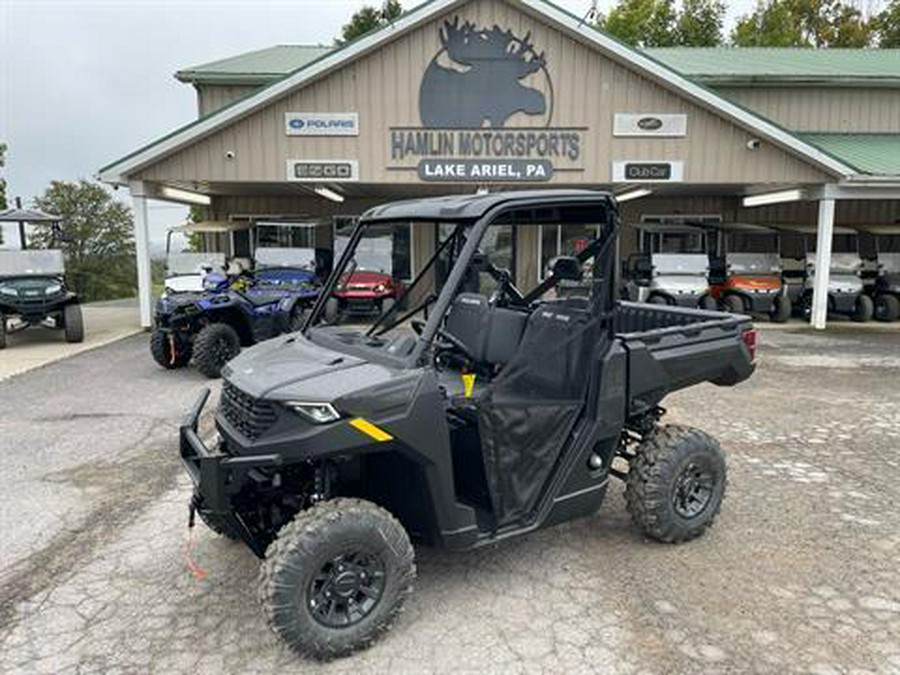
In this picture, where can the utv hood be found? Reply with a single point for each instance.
(291, 367)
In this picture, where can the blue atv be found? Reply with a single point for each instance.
(233, 312)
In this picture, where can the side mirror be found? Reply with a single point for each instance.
(566, 268)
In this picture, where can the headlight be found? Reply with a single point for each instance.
(380, 288)
(318, 413)
(6, 290)
(52, 290)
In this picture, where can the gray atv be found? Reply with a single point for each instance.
(33, 292)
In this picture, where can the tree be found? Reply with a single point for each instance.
(887, 26)
(700, 23)
(95, 235)
(642, 23)
(368, 19)
(803, 23)
(769, 25)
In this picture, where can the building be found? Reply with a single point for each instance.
(459, 95)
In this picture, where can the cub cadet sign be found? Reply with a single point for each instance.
(469, 92)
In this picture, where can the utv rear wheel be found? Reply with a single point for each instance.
(332, 309)
(215, 345)
(781, 310)
(734, 304)
(73, 323)
(336, 577)
(865, 309)
(708, 303)
(168, 351)
(676, 483)
(297, 317)
(887, 308)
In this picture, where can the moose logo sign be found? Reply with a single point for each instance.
(476, 79)
(486, 106)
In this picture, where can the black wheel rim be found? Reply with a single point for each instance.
(346, 589)
(693, 490)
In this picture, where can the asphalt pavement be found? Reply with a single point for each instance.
(799, 574)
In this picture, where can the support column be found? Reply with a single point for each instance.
(142, 251)
(824, 236)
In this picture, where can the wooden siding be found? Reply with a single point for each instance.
(851, 109)
(383, 87)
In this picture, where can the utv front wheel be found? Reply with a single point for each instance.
(781, 309)
(73, 323)
(887, 307)
(215, 345)
(336, 577)
(708, 303)
(865, 309)
(676, 483)
(734, 304)
(168, 351)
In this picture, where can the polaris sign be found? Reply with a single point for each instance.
(321, 124)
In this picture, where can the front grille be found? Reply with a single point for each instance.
(249, 416)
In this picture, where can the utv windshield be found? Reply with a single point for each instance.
(31, 263)
(178, 264)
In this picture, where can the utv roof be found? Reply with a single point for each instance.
(471, 207)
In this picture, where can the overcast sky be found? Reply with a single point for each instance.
(84, 82)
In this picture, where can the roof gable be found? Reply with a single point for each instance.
(608, 46)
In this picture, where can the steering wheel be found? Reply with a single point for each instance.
(418, 325)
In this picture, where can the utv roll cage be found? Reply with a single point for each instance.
(472, 217)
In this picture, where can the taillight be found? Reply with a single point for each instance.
(751, 339)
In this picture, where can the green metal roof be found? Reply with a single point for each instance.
(709, 65)
(764, 65)
(258, 67)
(875, 154)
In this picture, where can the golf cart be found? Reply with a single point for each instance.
(456, 418)
(235, 311)
(672, 267)
(846, 294)
(33, 292)
(368, 287)
(884, 283)
(745, 273)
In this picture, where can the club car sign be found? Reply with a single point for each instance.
(474, 98)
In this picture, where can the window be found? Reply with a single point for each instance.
(557, 240)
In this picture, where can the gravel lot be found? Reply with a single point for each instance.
(800, 573)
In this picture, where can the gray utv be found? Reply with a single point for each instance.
(468, 413)
(672, 267)
(33, 292)
(883, 283)
(846, 292)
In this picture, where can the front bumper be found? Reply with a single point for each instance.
(218, 477)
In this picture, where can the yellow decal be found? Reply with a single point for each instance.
(469, 384)
(370, 429)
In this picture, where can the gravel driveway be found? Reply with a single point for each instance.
(800, 573)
